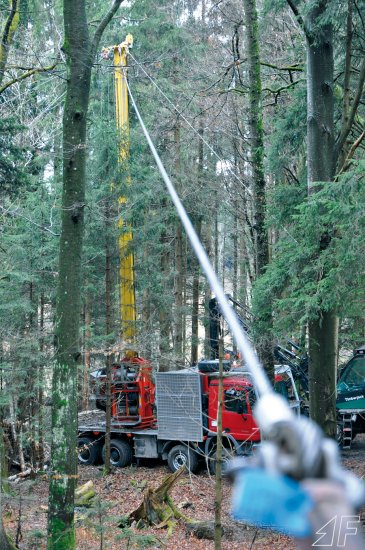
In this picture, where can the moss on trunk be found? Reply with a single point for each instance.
(263, 325)
(80, 52)
(320, 159)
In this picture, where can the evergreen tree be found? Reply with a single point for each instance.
(80, 53)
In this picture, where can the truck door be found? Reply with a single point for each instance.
(237, 413)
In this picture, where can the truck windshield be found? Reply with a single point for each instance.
(354, 374)
(235, 400)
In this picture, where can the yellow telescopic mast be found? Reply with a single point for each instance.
(126, 270)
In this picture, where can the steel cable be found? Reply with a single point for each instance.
(261, 381)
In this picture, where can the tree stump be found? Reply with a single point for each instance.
(159, 510)
(157, 507)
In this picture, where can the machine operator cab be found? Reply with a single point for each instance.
(351, 383)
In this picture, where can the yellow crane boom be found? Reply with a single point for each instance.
(126, 269)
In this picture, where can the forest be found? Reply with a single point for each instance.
(257, 111)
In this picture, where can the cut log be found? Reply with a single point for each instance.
(21, 475)
(185, 504)
(84, 489)
(85, 500)
(84, 494)
(201, 529)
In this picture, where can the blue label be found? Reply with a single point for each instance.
(273, 501)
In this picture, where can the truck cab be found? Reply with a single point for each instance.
(237, 417)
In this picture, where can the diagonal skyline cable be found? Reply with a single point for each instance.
(261, 380)
(201, 137)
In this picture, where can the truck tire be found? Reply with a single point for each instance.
(226, 458)
(88, 451)
(182, 455)
(120, 453)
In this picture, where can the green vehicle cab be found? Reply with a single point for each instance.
(350, 401)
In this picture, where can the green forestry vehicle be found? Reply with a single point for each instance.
(350, 401)
(351, 398)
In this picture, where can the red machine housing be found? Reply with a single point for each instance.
(183, 428)
(133, 393)
(133, 399)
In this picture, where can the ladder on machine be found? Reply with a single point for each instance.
(346, 430)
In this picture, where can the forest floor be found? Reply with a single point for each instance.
(25, 511)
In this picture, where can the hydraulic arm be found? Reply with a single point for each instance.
(126, 270)
(127, 288)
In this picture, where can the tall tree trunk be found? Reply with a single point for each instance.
(80, 53)
(346, 82)
(109, 330)
(4, 541)
(179, 244)
(64, 386)
(30, 411)
(207, 293)
(264, 321)
(256, 135)
(196, 267)
(164, 320)
(323, 345)
(146, 314)
(195, 302)
(320, 160)
(185, 300)
(17, 439)
(87, 355)
(179, 288)
(219, 453)
(235, 235)
(216, 233)
(41, 381)
(41, 346)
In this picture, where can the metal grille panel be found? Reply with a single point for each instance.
(179, 406)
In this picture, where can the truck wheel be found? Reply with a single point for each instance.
(226, 457)
(120, 453)
(88, 451)
(181, 455)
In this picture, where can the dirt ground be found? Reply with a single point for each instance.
(25, 511)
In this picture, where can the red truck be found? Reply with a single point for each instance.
(171, 415)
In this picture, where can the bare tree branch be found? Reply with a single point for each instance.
(294, 7)
(354, 146)
(347, 127)
(283, 88)
(102, 25)
(29, 73)
(295, 67)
